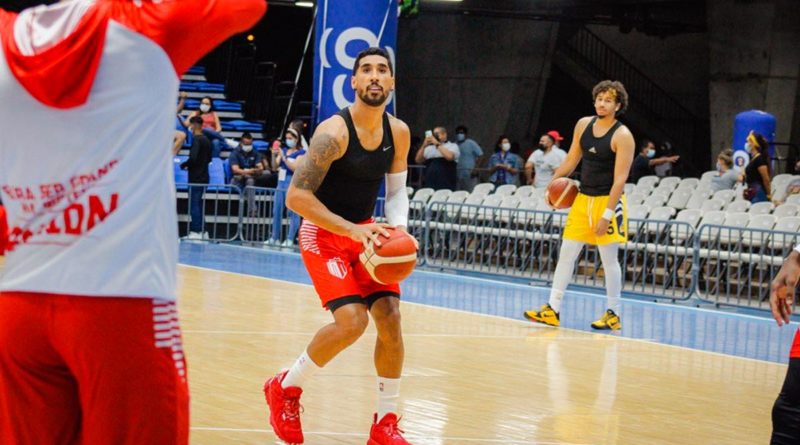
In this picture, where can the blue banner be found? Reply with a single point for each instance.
(344, 28)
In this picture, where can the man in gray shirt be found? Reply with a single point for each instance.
(470, 152)
(543, 162)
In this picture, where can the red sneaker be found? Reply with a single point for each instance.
(284, 409)
(386, 432)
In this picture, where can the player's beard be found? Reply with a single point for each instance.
(373, 101)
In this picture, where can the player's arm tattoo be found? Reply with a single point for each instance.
(311, 172)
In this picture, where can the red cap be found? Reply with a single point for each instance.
(554, 134)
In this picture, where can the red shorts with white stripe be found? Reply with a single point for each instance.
(795, 352)
(91, 370)
(338, 275)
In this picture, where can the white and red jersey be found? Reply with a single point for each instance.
(87, 111)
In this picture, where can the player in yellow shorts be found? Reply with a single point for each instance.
(599, 214)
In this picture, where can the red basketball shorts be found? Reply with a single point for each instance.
(88, 370)
(337, 273)
(795, 352)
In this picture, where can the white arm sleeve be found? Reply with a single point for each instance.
(396, 206)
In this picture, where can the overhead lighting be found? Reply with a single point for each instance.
(306, 4)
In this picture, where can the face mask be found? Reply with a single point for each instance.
(542, 147)
(205, 108)
(651, 153)
(505, 147)
(719, 167)
(247, 148)
(291, 143)
(461, 137)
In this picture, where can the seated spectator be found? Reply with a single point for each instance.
(645, 161)
(469, 157)
(247, 165)
(440, 157)
(545, 160)
(197, 164)
(726, 177)
(757, 173)
(211, 126)
(287, 157)
(504, 165)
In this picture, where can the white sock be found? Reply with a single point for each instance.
(303, 369)
(564, 268)
(613, 273)
(388, 396)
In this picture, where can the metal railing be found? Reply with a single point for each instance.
(735, 266)
(663, 259)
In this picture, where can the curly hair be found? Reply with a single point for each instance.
(617, 89)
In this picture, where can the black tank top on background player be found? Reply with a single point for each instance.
(597, 168)
(350, 189)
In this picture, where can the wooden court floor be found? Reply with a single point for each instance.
(469, 378)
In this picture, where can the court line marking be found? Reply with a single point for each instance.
(405, 335)
(416, 438)
(514, 320)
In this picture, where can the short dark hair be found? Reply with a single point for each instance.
(373, 51)
(247, 135)
(196, 120)
(462, 129)
(619, 93)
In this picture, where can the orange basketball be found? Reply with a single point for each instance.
(393, 260)
(562, 192)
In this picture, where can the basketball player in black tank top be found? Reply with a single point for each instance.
(599, 214)
(335, 189)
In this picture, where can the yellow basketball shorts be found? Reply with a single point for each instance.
(584, 215)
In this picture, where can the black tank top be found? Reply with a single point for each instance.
(350, 189)
(597, 168)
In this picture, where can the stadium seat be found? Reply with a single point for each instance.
(648, 181)
(725, 196)
(505, 189)
(761, 225)
(688, 183)
(458, 196)
(738, 206)
(712, 204)
(440, 195)
(423, 195)
(524, 191)
(181, 176)
(784, 234)
(216, 173)
(483, 188)
(670, 182)
(680, 197)
(762, 208)
(786, 210)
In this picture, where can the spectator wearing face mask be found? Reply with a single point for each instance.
(287, 158)
(470, 155)
(247, 165)
(726, 176)
(543, 162)
(212, 128)
(645, 161)
(757, 172)
(504, 165)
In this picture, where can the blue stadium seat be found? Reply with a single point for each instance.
(261, 145)
(199, 70)
(241, 125)
(216, 174)
(226, 165)
(181, 176)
